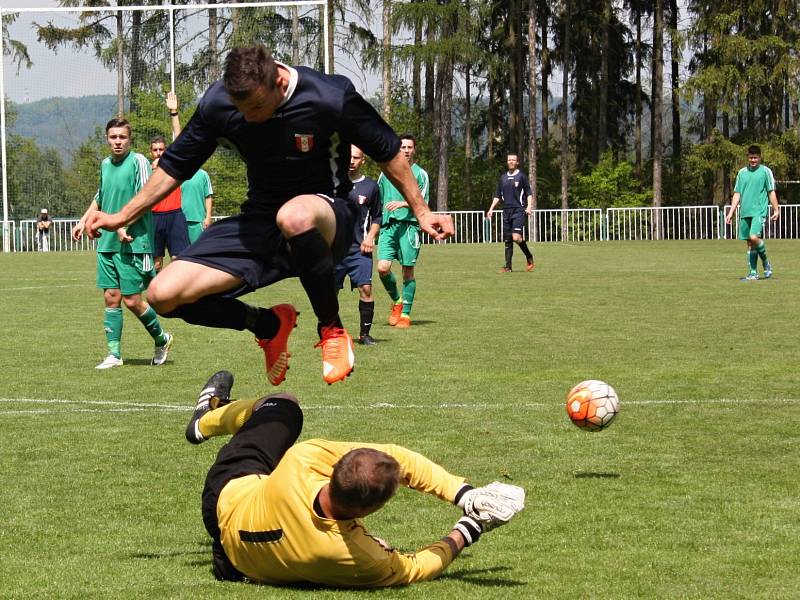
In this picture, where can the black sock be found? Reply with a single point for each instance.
(524, 247)
(367, 312)
(509, 253)
(228, 313)
(313, 259)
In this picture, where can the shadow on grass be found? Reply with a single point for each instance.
(485, 577)
(596, 475)
(139, 362)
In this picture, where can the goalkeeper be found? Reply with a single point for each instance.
(282, 513)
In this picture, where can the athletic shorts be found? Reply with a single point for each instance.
(129, 273)
(195, 229)
(400, 241)
(358, 267)
(513, 222)
(256, 448)
(252, 247)
(170, 233)
(751, 226)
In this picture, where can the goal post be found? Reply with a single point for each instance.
(89, 64)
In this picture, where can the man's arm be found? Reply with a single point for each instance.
(398, 171)
(174, 117)
(77, 230)
(209, 206)
(368, 245)
(529, 209)
(156, 189)
(732, 209)
(490, 212)
(776, 208)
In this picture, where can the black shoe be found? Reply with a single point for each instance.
(366, 340)
(215, 393)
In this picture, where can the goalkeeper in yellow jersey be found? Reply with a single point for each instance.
(282, 513)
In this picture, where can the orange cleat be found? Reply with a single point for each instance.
(404, 322)
(394, 316)
(275, 349)
(338, 358)
(530, 266)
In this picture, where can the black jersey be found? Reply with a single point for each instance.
(365, 193)
(304, 148)
(513, 190)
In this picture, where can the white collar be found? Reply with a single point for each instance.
(359, 180)
(293, 75)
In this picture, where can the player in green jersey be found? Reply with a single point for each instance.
(753, 193)
(197, 195)
(124, 256)
(399, 238)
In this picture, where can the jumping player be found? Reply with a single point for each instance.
(513, 189)
(755, 189)
(293, 127)
(358, 262)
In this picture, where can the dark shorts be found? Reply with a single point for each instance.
(170, 232)
(252, 247)
(513, 222)
(256, 448)
(358, 267)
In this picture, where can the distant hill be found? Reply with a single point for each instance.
(63, 123)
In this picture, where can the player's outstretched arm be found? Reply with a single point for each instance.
(157, 188)
(439, 227)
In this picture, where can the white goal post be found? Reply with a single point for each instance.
(182, 36)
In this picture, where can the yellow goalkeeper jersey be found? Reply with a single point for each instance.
(271, 533)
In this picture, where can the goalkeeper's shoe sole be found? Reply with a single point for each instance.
(215, 394)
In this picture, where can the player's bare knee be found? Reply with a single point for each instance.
(112, 298)
(294, 219)
(135, 303)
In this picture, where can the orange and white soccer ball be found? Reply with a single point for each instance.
(592, 405)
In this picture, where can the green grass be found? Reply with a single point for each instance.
(692, 493)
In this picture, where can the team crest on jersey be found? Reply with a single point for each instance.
(362, 199)
(304, 142)
(516, 183)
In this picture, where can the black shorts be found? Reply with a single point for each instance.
(358, 266)
(255, 449)
(252, 247)
(513, 222)
(170, 232)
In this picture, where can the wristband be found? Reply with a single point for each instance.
(460, 499)
(173, 114)
(469, 528)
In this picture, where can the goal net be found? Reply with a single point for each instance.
(66, 72)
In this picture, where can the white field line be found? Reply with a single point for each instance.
(44, 287)
(99, 406)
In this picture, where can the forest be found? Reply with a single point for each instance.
(608, 102)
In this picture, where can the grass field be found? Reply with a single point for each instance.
(692, 493)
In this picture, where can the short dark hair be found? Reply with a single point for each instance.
(248, 67)
(408, 136)
(753, 149)
(158, 139)
(512, 154)
(364, 478)
(119, 122)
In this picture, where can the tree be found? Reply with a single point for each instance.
(532, 61)
(567, 11)
(658, 77)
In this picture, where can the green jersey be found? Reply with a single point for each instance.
(389, 193)
(119, 183)
(194, 192)
(754, 186)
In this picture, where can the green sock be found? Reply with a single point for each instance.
(762, 252)
(149, 319)
(409, 289)
(112, 324)
(390, 285)
(752, 260)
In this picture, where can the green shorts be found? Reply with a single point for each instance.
(128, 273)
(399, 241)
(195, 229)
(751, 226)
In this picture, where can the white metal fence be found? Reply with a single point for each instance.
(552, 225)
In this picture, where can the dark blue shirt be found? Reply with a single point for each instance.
(366, 195)
(513, 190)
(304, 148)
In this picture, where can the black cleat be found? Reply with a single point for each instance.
(215, 393)
(366, 340)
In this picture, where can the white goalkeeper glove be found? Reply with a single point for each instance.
(492, 505)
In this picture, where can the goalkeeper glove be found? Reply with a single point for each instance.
(492, 505)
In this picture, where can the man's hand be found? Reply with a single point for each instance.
(124, 236)
(776, 214)
(395, 204)
(489, 213)
(368, 245)
(206, 222)
(439, 227)
(172, 102)
(97, 220)
(493, 505)
(77, 231)
(728, 219)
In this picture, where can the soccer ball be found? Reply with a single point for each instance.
(592, 405)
